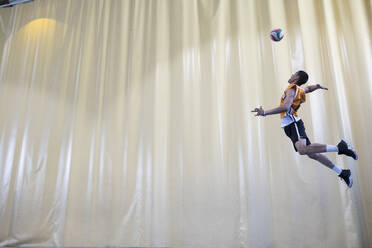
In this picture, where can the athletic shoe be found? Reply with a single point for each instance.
(346, 149)
(346, 176)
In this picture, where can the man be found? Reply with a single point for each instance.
(294, 128)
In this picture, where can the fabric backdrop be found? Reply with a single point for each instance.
(128, 123)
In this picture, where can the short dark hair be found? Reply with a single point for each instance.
(303, 77)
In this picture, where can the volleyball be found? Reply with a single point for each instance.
(276, 34)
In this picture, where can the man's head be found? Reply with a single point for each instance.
(299, 78)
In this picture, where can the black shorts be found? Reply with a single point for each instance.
(296, 131)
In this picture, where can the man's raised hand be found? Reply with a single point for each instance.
(321, 87)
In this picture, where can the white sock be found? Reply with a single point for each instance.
(332, 148)
(337, 169)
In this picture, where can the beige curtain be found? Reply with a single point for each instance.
(128, 123)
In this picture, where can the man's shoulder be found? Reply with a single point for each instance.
(301, 91)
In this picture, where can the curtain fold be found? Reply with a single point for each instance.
(128, 123)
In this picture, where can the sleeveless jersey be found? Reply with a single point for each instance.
(300, 97)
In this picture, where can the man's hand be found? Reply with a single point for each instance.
(313, 87)
(260, 111)
(321, 87)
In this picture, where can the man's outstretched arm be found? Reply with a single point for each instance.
(290, 95)
(311, 88)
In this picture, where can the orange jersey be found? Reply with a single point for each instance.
(299, 98)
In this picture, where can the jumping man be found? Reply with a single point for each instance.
(294, 127)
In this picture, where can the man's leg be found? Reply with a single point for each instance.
(299, 129)
(304, 150)
(324, 160)
(341, 148)
(316, 148)
(320, 148)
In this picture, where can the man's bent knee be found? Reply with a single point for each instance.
(302, 151)
(301, 147)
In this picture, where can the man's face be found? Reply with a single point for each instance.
(293, 78)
